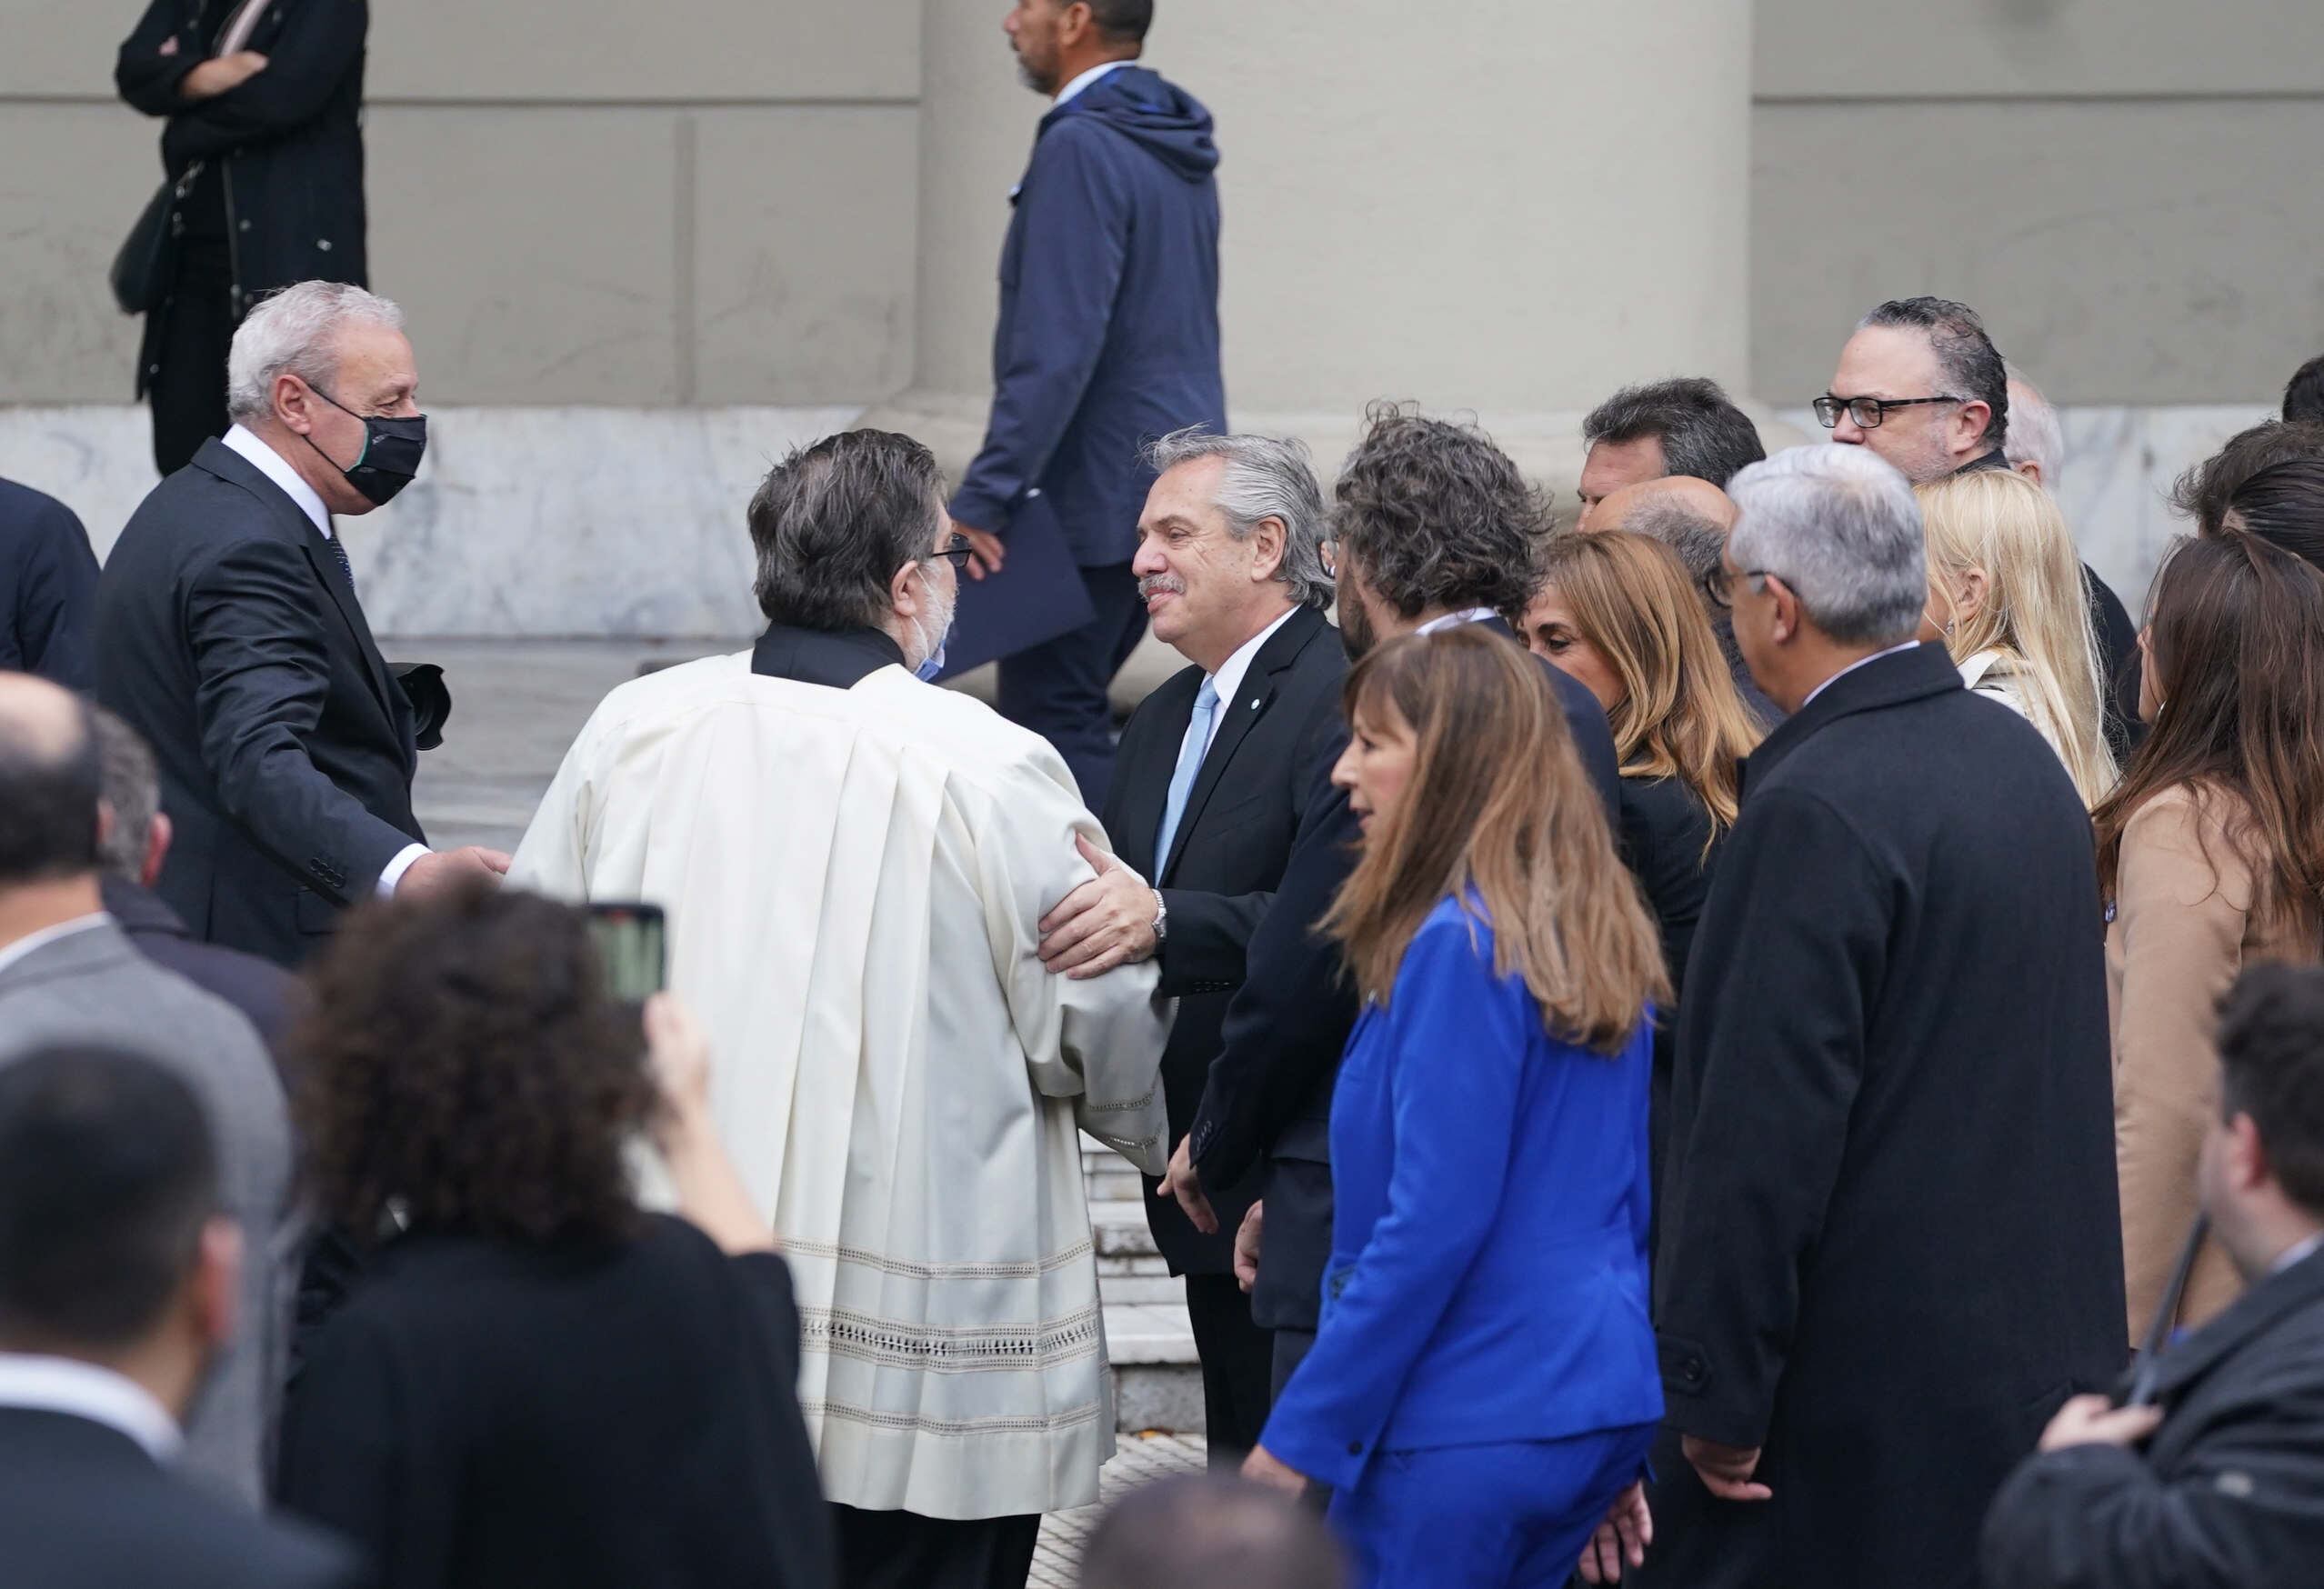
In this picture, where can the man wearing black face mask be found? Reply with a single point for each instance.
(230, 635)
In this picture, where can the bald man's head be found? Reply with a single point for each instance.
(1689, 516)
(48, 782)
(1618, 510)
(1210, 1531)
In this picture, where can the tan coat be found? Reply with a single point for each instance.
(2181, 929)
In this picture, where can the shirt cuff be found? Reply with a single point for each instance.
(398, 867)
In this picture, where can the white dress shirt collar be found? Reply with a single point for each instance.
(11, 953)
(277, 468)
(2297, 1252)
(1087, 78)
(1231, 672)
(1851, 667)
(83, 1390)
(1454, 620)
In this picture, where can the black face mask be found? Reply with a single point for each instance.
(392, 450)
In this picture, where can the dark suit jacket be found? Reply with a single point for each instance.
(2228, 1494)
(231, 640)
(2118, 665)
(1666, 839)
(82, 1506)
(1890, 1243)
(1267, 1098)
(269, 997)
(1241, 823)
(48, 581)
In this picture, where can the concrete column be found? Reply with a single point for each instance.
(1509, 207)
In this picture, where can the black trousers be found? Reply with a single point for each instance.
(188, 390)
(1058, 689)
(903, 1550)
(1291, 1349)
(1238, 1365)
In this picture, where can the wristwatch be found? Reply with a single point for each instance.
(1161, 921)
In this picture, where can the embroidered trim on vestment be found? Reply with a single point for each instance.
(909, 1423)
(841, 1332)
(1065, 1260)
(1091, 1108)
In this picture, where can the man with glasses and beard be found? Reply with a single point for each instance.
(853, 865)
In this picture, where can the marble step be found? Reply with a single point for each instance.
(1157, 1289)
(1118, 1226)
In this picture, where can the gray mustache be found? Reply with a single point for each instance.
(1152, 583)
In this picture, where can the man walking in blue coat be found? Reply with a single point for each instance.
(1108, 338)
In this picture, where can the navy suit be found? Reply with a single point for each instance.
(48, 581)
(1107, 339)
(234, 642)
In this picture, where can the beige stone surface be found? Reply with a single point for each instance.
(536, 250)
(1412, 209)
(671, 51)
(2041, 48)
(2121, 252)
(803, 232)
(62, 218)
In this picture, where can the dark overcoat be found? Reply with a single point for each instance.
(287, 143)
(1890, 1246)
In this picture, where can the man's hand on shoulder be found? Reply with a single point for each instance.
(1107, 922)
(436, 874)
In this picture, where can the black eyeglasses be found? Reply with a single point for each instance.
(959, 551)
(1718, 584)
(1868, 412)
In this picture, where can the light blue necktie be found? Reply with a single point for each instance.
(1190, 753)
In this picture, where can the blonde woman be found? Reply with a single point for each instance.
(1483, 1384)
(1618, 613)
(2005, 600)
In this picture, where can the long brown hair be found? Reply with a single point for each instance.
(1681, 715)
(2237, 634)
(1499, 816)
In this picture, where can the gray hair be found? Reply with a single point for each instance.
(1841, 527)
(295, 332)
(129, 783)
(833, 522)
(1265, 478)
(1698, 538)
(2034, 435)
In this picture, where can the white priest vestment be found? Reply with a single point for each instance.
(852, 878)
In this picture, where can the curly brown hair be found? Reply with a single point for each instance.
(1437, 516)
(465, 1065)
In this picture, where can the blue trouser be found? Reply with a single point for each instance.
(1058, 689)
(1502, 1516)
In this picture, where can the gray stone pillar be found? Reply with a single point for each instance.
(1509, 207)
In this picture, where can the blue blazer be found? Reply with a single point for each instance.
(1487, 1280)
(1109, 331)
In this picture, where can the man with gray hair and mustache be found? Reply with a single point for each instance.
(1208, 798)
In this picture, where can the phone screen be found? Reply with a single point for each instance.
(630, 941)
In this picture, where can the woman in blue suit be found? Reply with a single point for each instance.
(1483, 1386)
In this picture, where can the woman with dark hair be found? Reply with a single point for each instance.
(1483, 1383)
(2283, 504)
(2211, 854)
(1618, 613)
(535, 1382)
